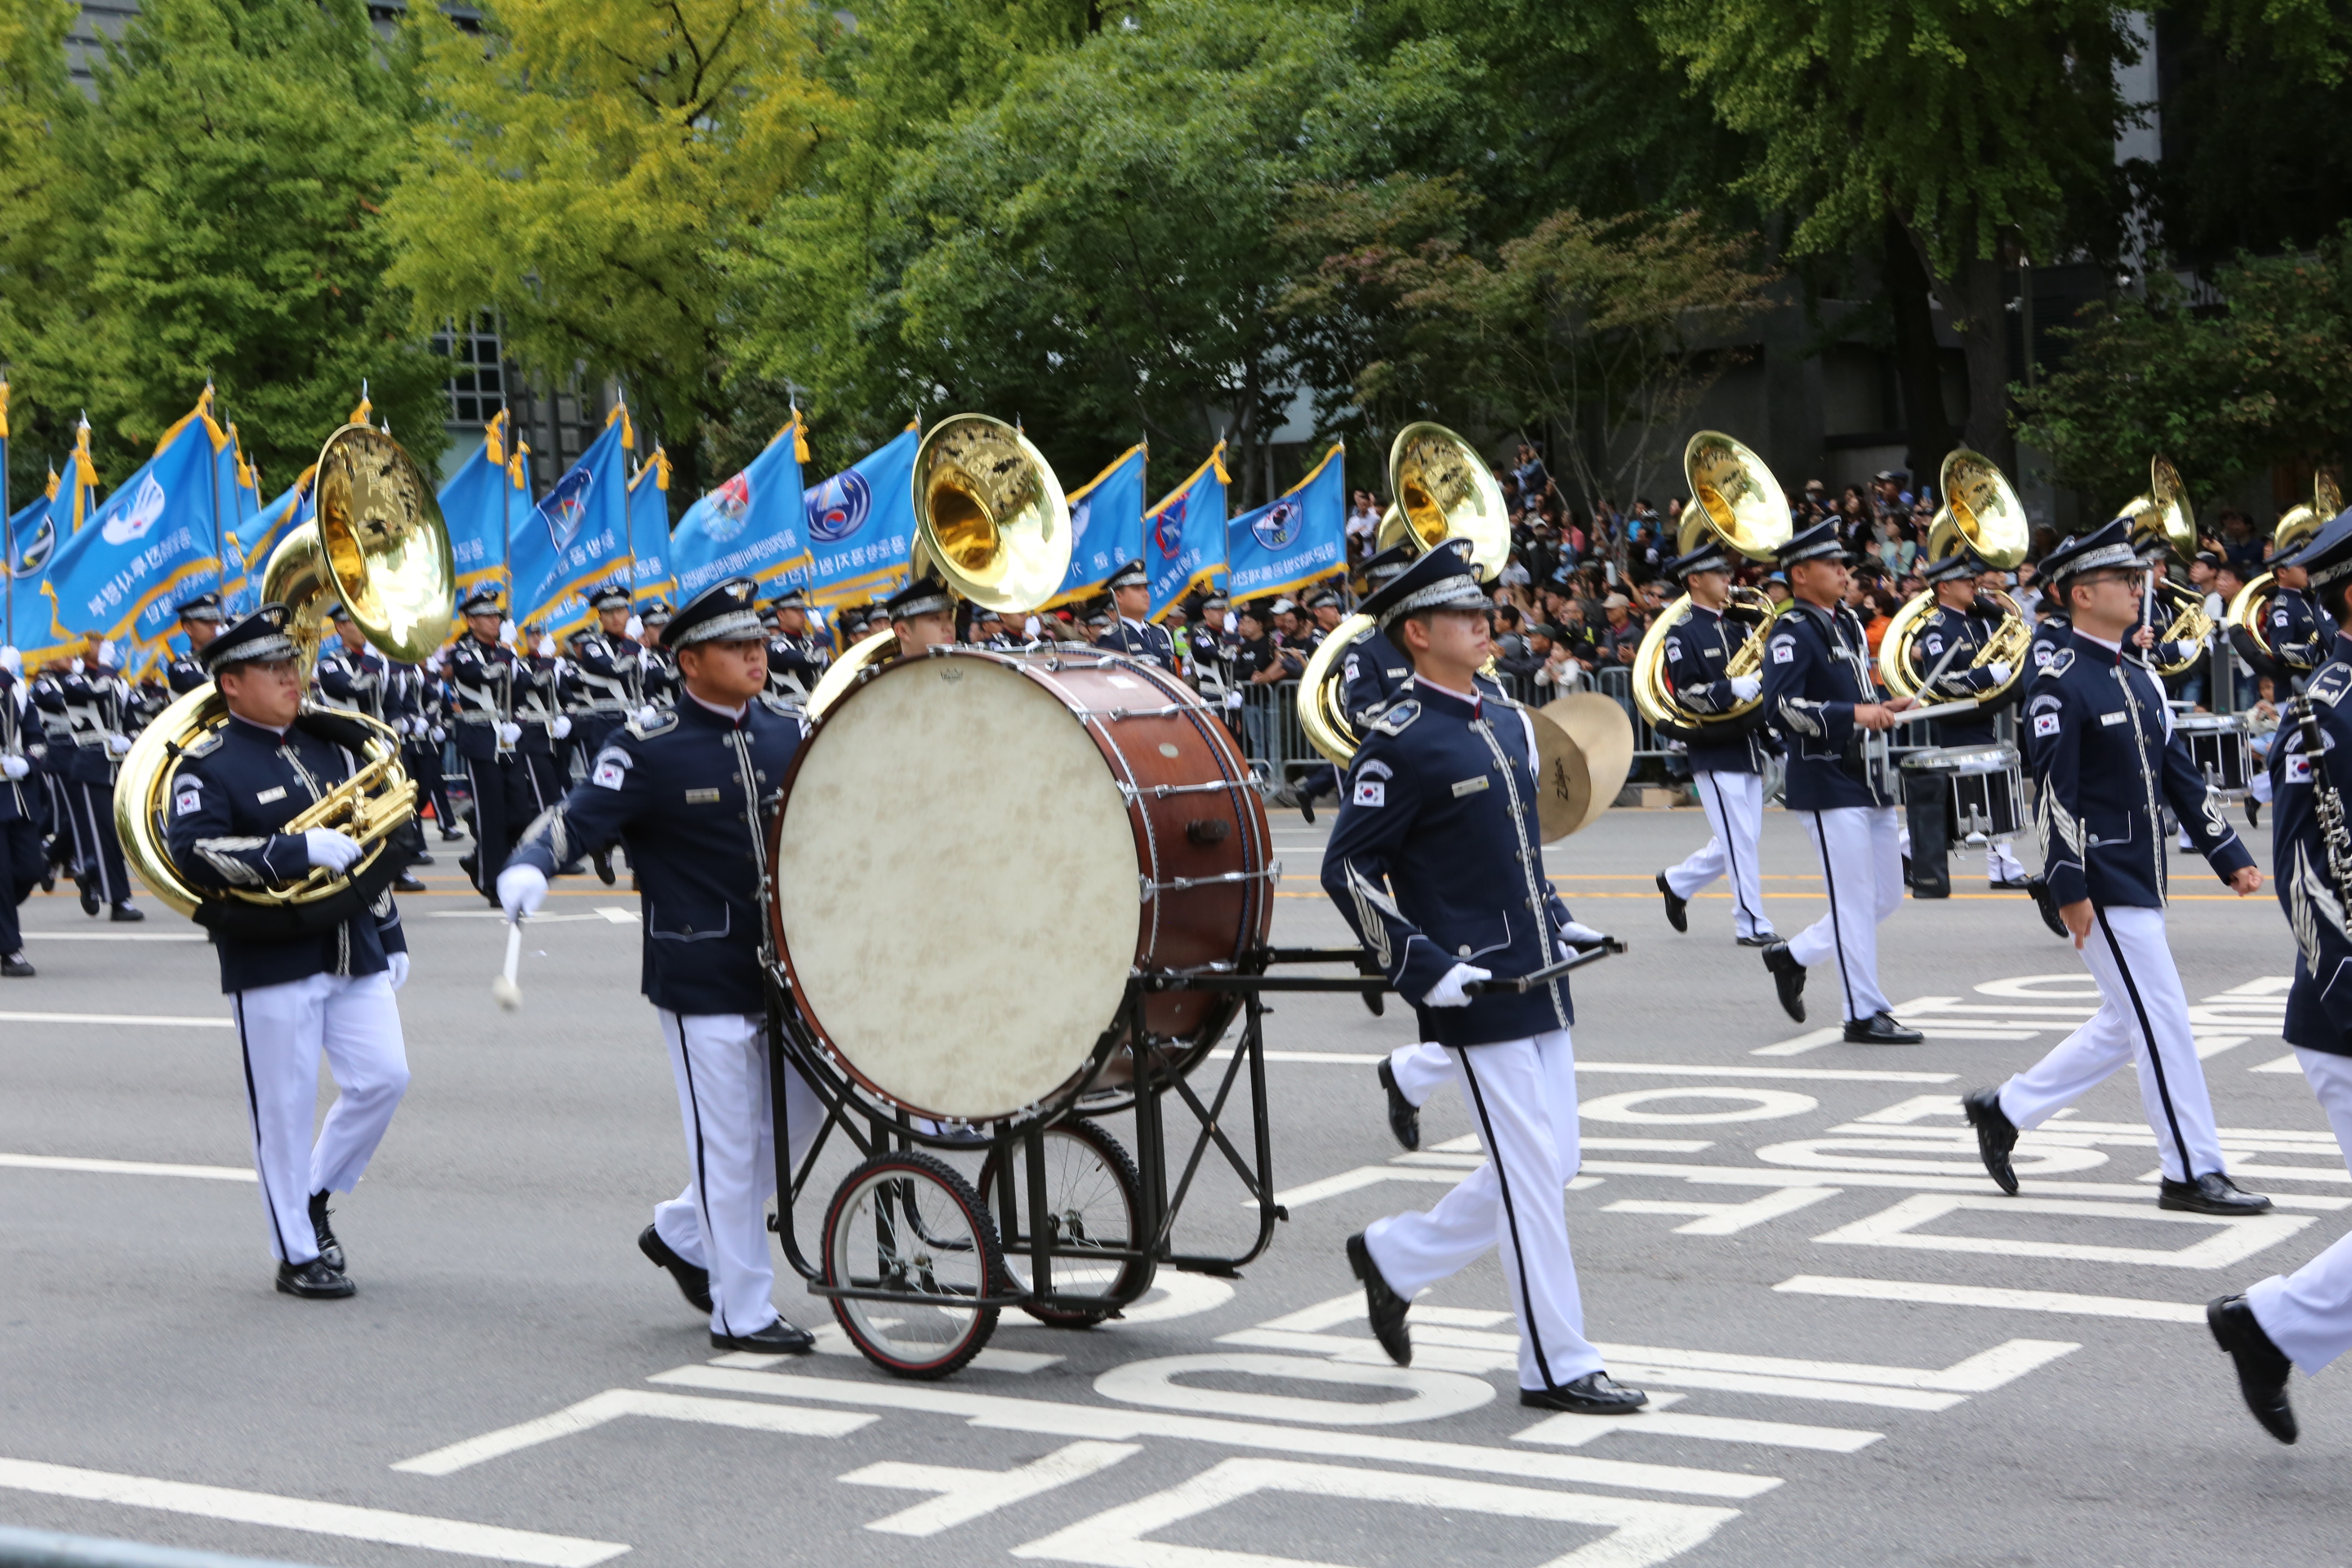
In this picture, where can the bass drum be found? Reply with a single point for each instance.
(1099, 790)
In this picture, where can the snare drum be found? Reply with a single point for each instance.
(1984, 789)
(1100, 787)
(2219, 745)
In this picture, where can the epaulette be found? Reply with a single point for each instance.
(662, 722)
(1361, 635)
(2330, 684)
(785, 707)
(204, 745)
(1394, 718)
(2060, 662)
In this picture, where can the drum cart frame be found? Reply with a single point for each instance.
(1020, 1271)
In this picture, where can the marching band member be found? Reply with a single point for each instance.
(90, 704)
(545, 726)
(2101, 745)
(201, 617)
(421, 703)
(481, 672)
(331, 990)
(1818, 690)
(657, 678)
(797, 658)
(2301, 632)
(1729, 772)
(1951, 635)
(922, 615)
(2305, 1319)
(23, 861)
(683, 793)
(1436, 862)
(1131, 593)
(352, 678)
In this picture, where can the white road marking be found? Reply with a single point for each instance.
(1762, 1176)
(1642, 1533)
(1427, 1395)
(1981, 1296)
(1657, 1069)
(1748, 1105)
(1727, 1219)
(611, 914)
(2280, 1063)
(1013, 1414)
(422, 1530)
(1797, 1046)
(162, 1020)
(2234, 1240)
(1450, 1172)
(1576, 1431)
(614, 1402)
(832, 1341)
(125, 1167)
(966, 1495)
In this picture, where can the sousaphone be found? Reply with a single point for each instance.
(1982, 514)
(2248, 615)
(1736, 501)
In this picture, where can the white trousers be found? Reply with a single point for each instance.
(282, 1029)
(2001, 864)
(2308, 1314)
(1421, 1071)
(1521, 1095)
(1735, 810)
(719, 1223)
(1860, 851)
(2143, 1019)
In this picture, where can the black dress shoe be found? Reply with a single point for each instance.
(2048, 907)
(1594, 1393)
(315, 1281)
(1996, 1135)
(1306, 810)
(420, 858)
(1907, 870)
(405, 883)
(2211, 1192)
(1404, 1116)
(693, 1283)
(603, 860)
(16, 967)
(330, 1251)
(49, 881)
(124, 914)
(450, 836)
(89, 899)
(1787, 979)
(1764, 939)
(778, 1338)
(2254, 819)
(2012, 885)
(2261, 1366)
(1383, 1306)
(1880, 1029)
(1677, 909)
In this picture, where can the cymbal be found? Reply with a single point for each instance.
(1585, 744)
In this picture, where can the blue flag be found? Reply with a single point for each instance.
(1184, 535)
(1105, 527)
(1300, 537)
(649, 529)
(151, 546)
(577, 537)
(252, 541)
(32, 540)
(484, 500)
(753, 526)
(861, 526)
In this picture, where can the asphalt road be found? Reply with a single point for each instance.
(1859, 1351)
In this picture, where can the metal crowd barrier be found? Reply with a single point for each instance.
(49, 1549)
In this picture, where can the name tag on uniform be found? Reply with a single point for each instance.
(2113, 718)
(702, 797)
(265, 797)
(1470, 786)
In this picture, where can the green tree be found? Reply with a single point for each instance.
(582, 170)
(2263, 379)
(39, 198)
(232, 176)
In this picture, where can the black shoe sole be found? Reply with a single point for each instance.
(801, 1345)
(1677, 909)
(1556, 1399)
(2219, 1211)
(344, 1294)
(1360, 1264)
(2281, 1423)
(658, 1252)
(1404, 1125)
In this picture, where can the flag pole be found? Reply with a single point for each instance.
(8, 528)
(212, 468)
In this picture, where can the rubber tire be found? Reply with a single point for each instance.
(1135, 1279)
(990, 1264)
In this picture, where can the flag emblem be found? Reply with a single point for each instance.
(839, 507)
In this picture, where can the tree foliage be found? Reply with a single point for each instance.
(2224, 391)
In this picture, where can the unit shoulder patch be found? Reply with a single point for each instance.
(204, 745)
(2060, 662)
(660, 723)
(2331, 683)
(1394, 718)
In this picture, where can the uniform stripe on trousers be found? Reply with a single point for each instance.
(1510, 1219)
(701, 1173)
(1837, 930)
(1731, 855)
(253, 1108)
(2155, 1057)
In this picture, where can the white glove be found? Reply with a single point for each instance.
(12, 661)
(635, 630)
(649, 713)
(561, 727)
(1746, 687)
(329, 850)
(1448, 992)
(509, 733)
(118, 744)
(1999, 673)
(1233, 698)
(1577, 935)
(544, 647)
(15, 767)
(439, 734)
(399, 963)
(506, 631)
(74, 665)
(521, 890)
(106, 655)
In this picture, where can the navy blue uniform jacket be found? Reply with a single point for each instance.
(2319, 1002)
(1371, 673)
(1943, 629)
(1816, 672)
(676, 792)
(1696, 654)
(1437, 859)
(2099, 740)
(1141, 640)
(232, 794)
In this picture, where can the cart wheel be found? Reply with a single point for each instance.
(1093, 1196)
(907, 1224)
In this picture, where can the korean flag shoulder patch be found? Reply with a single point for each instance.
(2045, 724)
(1784, 651)
(187, 796)
(1369, 792)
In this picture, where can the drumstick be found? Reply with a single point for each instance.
(510, 994)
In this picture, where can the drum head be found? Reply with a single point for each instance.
(1585, 744)
(940, 783)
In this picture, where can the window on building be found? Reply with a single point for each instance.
(477, 387)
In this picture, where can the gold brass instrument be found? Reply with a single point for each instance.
(1982, 514)
(2163, 512)
(1736, 501)
(379, 547)
(2247, 617)
(990, 518)
(1444, 490)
